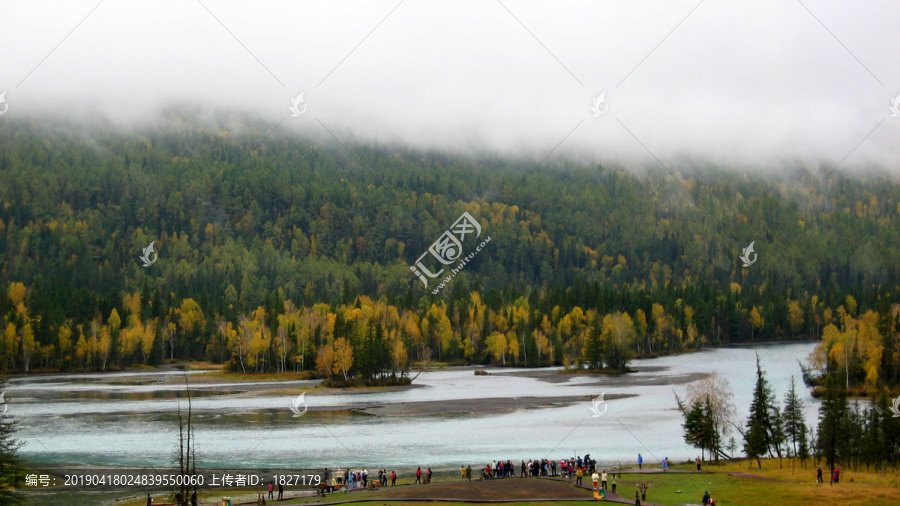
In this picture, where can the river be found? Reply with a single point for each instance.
(122, 420)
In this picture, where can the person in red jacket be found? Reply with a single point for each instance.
(419, 475)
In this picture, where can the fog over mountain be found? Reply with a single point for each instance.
(761, 86)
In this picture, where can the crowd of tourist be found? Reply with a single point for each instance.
(357, 479)
(573, 468)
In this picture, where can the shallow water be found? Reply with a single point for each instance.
(80, 419)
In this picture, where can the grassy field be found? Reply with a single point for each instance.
(728, 490)
(793, 470)
(856, 487)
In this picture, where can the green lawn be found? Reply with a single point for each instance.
(664, 488)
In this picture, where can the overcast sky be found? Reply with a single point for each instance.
(762, 84)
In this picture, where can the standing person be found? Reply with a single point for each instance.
(640, 461)
(837, 474)
(462, 473)
(819, 475)
(698, 463)
(428, 476)
(644, 493)
(469, 473)
(613, 482)
(666, 464)
(149, 500)
(393, 478)
(706, 498)
(281, 491)
(564, 467)
(553, 468)
(637, 498)
(194, 498)
(340, 476)
(578, 474)
(419, 475)
(271, 490)
(604, 478)
(594, 478)
(365, 477)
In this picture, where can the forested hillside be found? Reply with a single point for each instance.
(275, 251)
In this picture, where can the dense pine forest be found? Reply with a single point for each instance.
(282, 253)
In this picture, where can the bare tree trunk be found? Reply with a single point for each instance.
(186, 453)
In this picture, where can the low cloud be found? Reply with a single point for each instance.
(758, 86)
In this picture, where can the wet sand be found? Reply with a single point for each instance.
(214, 385)
(478, 406)
(581, 379)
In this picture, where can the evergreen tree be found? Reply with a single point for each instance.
(871, 441)
(694, 425)
(700, 425)
(833, 414)
(777, 435)
(593, 348)
(732, 446)
(794, 422)
(10, 469)
(761, 435)
(710, 435)
(890, 431)
(803, 449)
